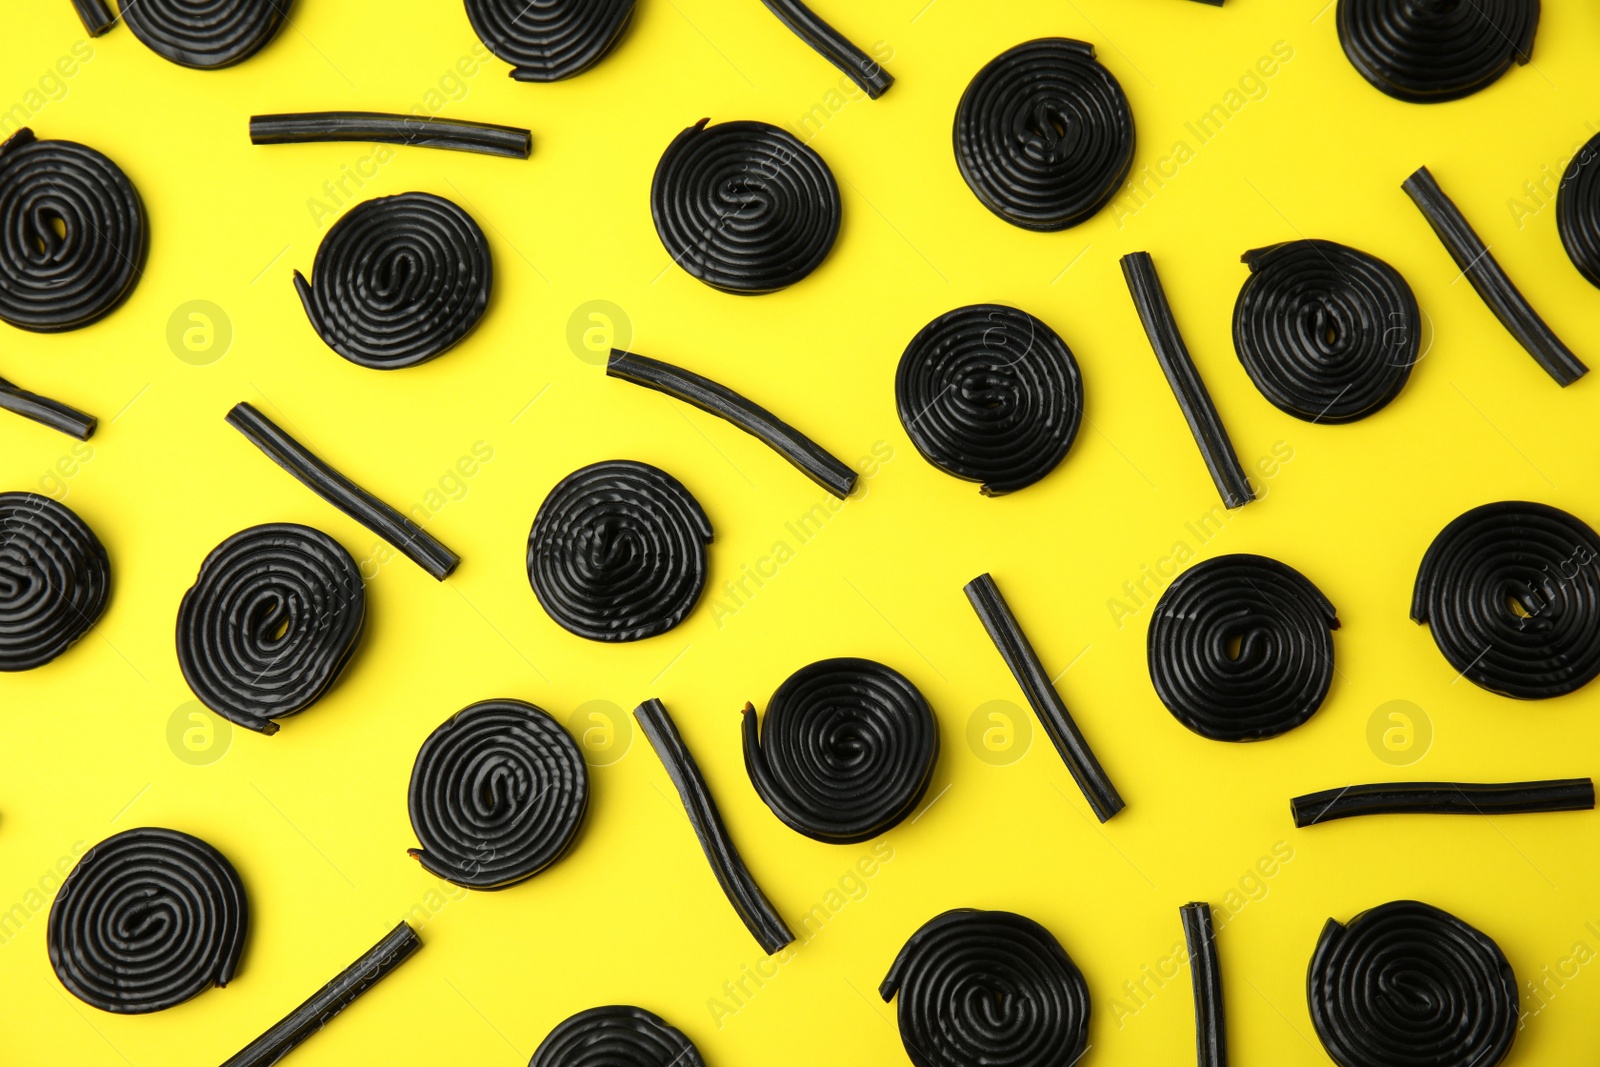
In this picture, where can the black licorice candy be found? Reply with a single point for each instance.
(1427, 53)
(616, 1035)
(1578, 210)
(422, 131)
(549, 40)
(1205, 971)
(55, 580)
(810, 458)
(1443, 798)
(859, 67)
(205, 35)
(46, 412)
(96, 17)
(751, 904)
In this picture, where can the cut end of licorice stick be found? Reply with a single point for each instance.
(1444, 798)
(1205, 969)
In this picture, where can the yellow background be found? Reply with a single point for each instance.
(315, 818)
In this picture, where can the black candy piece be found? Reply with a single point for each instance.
(859, 67)
(46, 412)
(548, 40)
(1443, 798)
(1430, 51)
(1578, 210)
(1205, 970)
(55, 580)
(616, 1035)
(96, 17)
(423, 131)
(205, 34)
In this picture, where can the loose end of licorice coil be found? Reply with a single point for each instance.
(549, 40)
(148, 919)
(205, 34)
(55, 580)
(1406, 984)
(498, 794)
(1430, 52)
(1511, 594)
(617, 1035)
(1578, 210)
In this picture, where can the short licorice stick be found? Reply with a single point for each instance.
(758, 914)
(46, 412)
(374, 965)
(1019, 655)
(96, 17)
(1490, 280)
(418, 545)
(1190, 390)
(835, 48)
(808, 456)
(1444, 798)
(458, 135)
(1205, 970)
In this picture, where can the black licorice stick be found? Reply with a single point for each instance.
(1491, 280)
(416, 543)
(457, 135)
(1444, 798)
(811, 458)
(1007, 635)
(47, 412)
(1173, 355)
(835, 47)
(1205, 970)
(760, 917)
(96, 17)
(374, 965)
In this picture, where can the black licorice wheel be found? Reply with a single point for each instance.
(1578, 210)
(618, 551)
(548, 40)
(744, 206)
(990, 394)
(55, 580)
(617, 1035)
(73, 234)
(398, 280)
(1511, 593)
(988, 987)
(1240, 648)
(205, 34)
(148, 919)
(1044, 135)
(498, 793)
(1405, 984)
(1429, 51)
(1326, 332)
(273, 618)
(845, 750)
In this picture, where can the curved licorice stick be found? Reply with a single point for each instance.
(1443, 798)
(809, 457)
(412, 540)
(1205, 972)
(205, 34)
(55, 580)
(376, 964)
(1491, 280)
(422, 131)
(1578, 210)
(548, 40)
(616, 1035)
(1187, 386)
(1430, 52)
(46, 412)
(834, 46)
(97, 18)
(1019, 656)
(760, 918)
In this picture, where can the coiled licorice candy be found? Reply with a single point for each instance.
(549, 40)
(148, 919)
(1405, 984)
(55, 580)
(845, 751)
(1429, 51)
(205, 34)
(616, 1035)
(1511, 593)
(1578, 210)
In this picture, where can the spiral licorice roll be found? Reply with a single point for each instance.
(1511, 591)
(990, 394)
(1407, 985)
(988, 987)
(1429, 51)
(73, 234)
(1327, 333)
(497, 795)
(744, 206)
(845, 751)
(55, 580)
(270, 623)
(1241, 649)
(618, 551)
(1044, 134)
(205, 34)
(1578, 210)
(617, 1035)
(148, 919)
(398, 280)
(548, 40)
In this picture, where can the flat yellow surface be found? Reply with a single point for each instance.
(315, 818)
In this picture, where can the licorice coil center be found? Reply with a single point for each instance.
(55, 580)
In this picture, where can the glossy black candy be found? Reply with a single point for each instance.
(859, 67)
(55, 580)
(1578, 210)
(1205, 971)
(548, 40)
(46, 412)
(205, 34)
(617, 1035)
(1429, 51)
(1443, 798)
(423, 131)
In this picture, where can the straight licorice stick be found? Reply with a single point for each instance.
(811, 458)
(376, 964)
(96, 17)
(1444, 798)
(458, 135)
(759, 916)
(834, 46)
(416, 543)
(1491, 280)
(1190, 390)
(43, 410)
(1213, 3)
(996, 616)
(1205, 972)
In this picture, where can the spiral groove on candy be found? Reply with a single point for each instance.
(398, 281)
(55, 580)
(73, 234)
(1044, 134)
(205, 34)
(859, 67)
(548, 40)
(498, 793)
(1443, 798)
(1405, 984)
(1430, 51)
(148, 919)
(1578, 210)
(989, 987)
(1326, 332)
(845, 751)
(1511, 592)
(617, 551)
(744, 206)
(617, 1035)
(1241, 648)
(990, 394)
(273, 618)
